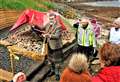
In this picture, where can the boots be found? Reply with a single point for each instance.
(55, 71)
(57, 74)
(52, 69)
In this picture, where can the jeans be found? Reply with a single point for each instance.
(88, 51)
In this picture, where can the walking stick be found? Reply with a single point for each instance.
(45, 44)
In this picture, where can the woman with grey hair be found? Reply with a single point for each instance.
(77, 70)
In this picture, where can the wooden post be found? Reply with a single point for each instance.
(11, 61)
(12, 65)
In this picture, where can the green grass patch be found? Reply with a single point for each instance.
(25, 4)
(50, 5)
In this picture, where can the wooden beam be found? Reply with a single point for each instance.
(30, 54)
(5, 75)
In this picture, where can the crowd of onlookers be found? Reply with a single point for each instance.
(109, 57)
(109, 54)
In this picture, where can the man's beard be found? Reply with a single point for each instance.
(84, 26)
(116, 29)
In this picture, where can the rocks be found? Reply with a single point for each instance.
(26, 40)
(100, 42)
(103, 38)
(95, 62)
(104, 32)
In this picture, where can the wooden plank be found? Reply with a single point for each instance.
(30, 54)
(5, 75)
(34, 69)
(41, 74)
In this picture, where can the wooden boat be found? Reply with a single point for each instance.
(21, 51)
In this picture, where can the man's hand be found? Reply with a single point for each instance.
(46, 35)
(43, 32)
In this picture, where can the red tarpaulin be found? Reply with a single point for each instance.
(36, 18)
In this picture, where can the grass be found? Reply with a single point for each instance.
(50, 5)
(25, 4)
